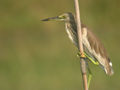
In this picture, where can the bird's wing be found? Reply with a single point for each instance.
(96, 45)
(98, 51)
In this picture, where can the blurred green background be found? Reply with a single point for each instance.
(36, 55)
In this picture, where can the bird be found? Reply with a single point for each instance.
(93, 48)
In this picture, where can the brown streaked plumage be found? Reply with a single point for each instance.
(99, 49)
(91, 44)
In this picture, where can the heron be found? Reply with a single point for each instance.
(93, 48)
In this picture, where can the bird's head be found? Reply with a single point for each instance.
(63, 17)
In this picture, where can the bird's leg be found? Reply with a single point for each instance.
(85, 55)
(93, 61)
(89, 76)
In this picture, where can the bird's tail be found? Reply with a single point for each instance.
(108, 69)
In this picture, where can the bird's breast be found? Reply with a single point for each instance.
(71, 34)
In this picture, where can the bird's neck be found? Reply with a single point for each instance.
(71, 30)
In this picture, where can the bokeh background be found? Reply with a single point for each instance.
(36, 55)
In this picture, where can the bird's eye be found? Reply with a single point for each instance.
(62, 17)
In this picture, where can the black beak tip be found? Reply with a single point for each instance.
(45, 19)
(52, 18)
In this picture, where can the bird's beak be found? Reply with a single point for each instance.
(51, 18)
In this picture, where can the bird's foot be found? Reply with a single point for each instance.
(81, 55)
